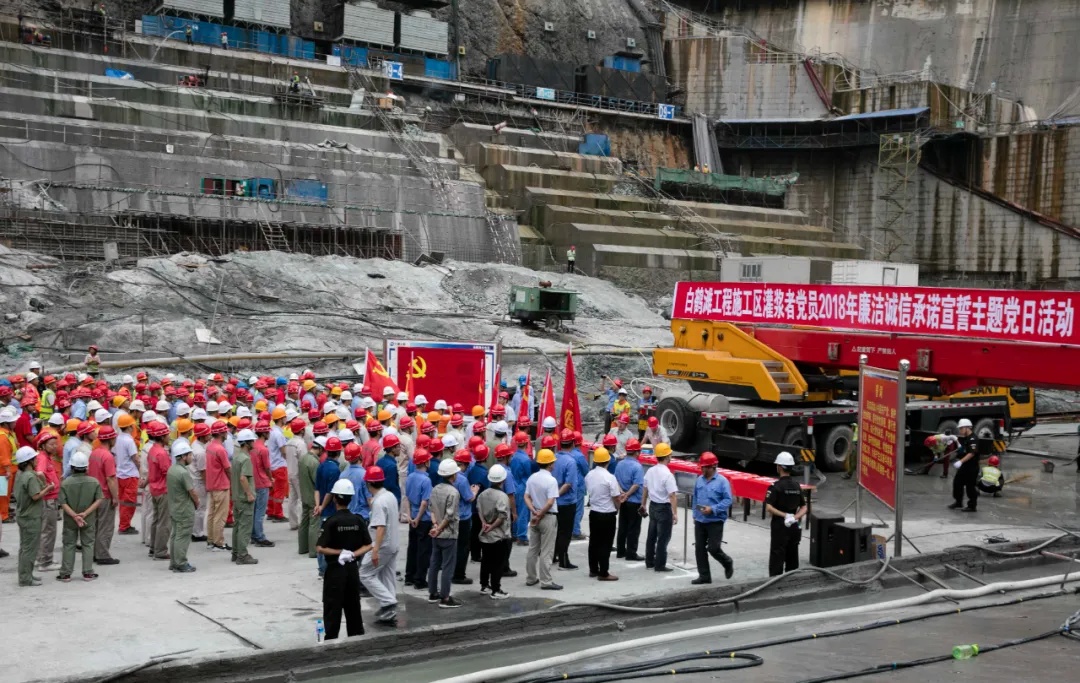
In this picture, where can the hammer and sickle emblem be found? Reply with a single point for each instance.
(380, 370)
(568, 419)
(419, 367)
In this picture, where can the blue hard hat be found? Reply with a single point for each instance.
(503, 384)
(241, 385)
(522, 379)
(5, 383)
(281, 381)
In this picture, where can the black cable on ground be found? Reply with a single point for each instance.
(735, 652)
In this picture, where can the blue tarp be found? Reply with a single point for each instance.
(118, 73)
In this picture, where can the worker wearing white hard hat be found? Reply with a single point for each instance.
(223, 408)
(243, 496)
(966, 462)
(29, 493)
(440, 405)
(786, 507)
(183, 502)
(81, 496)
(343, 541)
(128, 379)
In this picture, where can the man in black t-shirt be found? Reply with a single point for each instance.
(343, 541)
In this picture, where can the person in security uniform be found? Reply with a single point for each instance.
(966, 463)
(343, 541)
(785, 505)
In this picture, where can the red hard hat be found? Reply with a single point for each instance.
(85, 427)
(265, 415)
(410, 407)
(365, 390)
(319, 428)
(548, 441)
(478, 427)
(201, 429)
(422, 441)
(352, 425)
(624, 419)
(353, 451)
(140, 388)
(262, 427)
(420, 456)
(457, 420)
(457, 408)
(428, 428)
(524, 422)
(106, 432)
(374, 473)
(360, 413)
(169, 391)
(405, 422)
(617, 383)
(43, 437)
(993, 461)
(219, 427)
(653, 422)
(436, 446)
(481, 451)
(313, 414)
(157, 429)
(333, 445)
(49, 379)
(566, 436)
(308, 375)
(646, 389)
(373, 426)
(154, 386)
(708, 459)
(297, 426)
(498, 410)
(577, 437)
(521, 437)
(475, 441)
(5, 391)
(244, 423)
(463, 456)
(633, 445)
(391, 440)
(503, 451)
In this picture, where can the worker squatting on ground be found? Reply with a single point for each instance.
(785, 505)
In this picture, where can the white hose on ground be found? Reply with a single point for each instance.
(503, 673)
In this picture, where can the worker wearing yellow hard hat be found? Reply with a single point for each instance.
(605, 497)
(541, 493)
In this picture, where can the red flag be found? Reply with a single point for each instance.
(571, 408)
(495, 389)
(523, 410)
(376, 376)
(547, 401)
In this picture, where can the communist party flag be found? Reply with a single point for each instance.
(526, 392)
(571, 408)
(495, 388)
(376, 376)
(547, 401)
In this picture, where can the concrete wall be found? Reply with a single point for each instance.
(1029, 48)
(1037, 170)
(723, 80)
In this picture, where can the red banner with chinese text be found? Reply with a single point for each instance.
(878, 465)
(1015, 315)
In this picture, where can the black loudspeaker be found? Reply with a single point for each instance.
(853, 542)
(824, 551)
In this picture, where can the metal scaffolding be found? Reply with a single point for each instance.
(898, 163)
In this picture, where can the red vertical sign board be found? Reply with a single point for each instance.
(450, 374)
(878, 465)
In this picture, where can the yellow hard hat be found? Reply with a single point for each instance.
(71, 425)
(309, 384)
(384, 415)
(184, 425)
(545, 457)
(662, 450)
(278, 413)
(478, 411)
(118, 400)
(336, 391)
(260, 405)
(601, 455)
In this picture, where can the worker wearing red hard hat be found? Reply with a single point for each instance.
(644, 407)
(378, 567)
(631, 477)
(654, 433)
(264, 481)
(570, 482)
(218, 486)
(521, 468)
(158, 463)
(991, 479)
(417, 499)
(200, 438)
(392, 447)
(48, 446)
(622, 433)
(711, 503)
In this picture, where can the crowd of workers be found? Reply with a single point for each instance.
(359, 480)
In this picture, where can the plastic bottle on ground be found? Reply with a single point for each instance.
(965, 651)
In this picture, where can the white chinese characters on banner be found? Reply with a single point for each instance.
(1042, 316)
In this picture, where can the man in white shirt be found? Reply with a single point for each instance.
(541, 492)
(655, 433)
(294, 450)
(660, 496)
(378, 567)
(197, 468)
(605, 497)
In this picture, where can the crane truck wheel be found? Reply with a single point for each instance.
(985, 428)
(678, 420)
(794, 437)
(833, 450)
(948, 427)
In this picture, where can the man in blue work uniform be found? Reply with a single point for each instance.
(712, 500)
(582, 464)
(610, 394)
(325, 478)
(388, 462)
(477, 474)
(521, 467)
(631, 477)
(418, 492)
(566, 476)
(502, 457)
(468, 493)
(437, 447)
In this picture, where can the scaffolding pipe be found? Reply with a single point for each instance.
(302, 355)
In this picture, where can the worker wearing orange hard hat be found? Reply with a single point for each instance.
(126, 454)
(279, 469)
(8, 467)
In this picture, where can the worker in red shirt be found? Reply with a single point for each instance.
(264, 481)
(24, 425)
(103, 468)
(157, 469)
(48, 445)
(218, 483)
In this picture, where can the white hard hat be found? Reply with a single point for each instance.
(80, 460)
(291, 414)
(245, 435)
(211, 406)
(137, 405)
(622, 390)
(243, 411)
(389, 430)
(252, 380)
(357, 388)
(183, 409)
(180, 447)
(346, 395)
(210, 377)
(93, 405)
(149, 416)
(420, 400)
(162, 406)
(8, 414)
(24, 454)
(319, 441)
(449, 441)
(35, 365)
(440, 405)
(387, 391)
(101, 416)
(369, 403)
(346, 435)
(57, 419)
(170, 376)
(448, 467)
(496, 474)
(128, 379)
(294, 377)
(549, 422)
(328, 407)
(343, 487)
(500, 427)
(342, 413)
(198, 414)
(224, 407)
(963, 423)
(785, 459)
(31, 376)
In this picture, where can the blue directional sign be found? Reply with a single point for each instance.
(665, 111)
(395, 71)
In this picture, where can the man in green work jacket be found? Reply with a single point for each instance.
(243, 495)
(308, 531)
(183, 502)
(80, 496)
